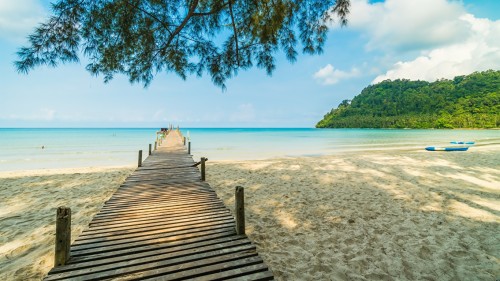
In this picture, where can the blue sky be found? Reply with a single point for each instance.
(425, 39)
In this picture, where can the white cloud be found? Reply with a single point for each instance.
(479, 51)
(426, 39)
(404, 25)
(19, 17)
(328, 75)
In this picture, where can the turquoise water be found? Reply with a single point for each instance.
(20, 149)
(236, 144)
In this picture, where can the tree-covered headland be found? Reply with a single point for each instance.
(471, 101)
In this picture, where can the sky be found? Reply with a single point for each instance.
(391, 39)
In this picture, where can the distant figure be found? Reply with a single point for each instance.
(43, 147)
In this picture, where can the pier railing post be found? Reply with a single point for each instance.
(63, 236)
(139, 162)
(156, 145)
(149, 149)
(203, 159)
(184, 140)
(240, 209)
(189, 147)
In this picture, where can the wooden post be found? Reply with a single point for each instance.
(240, 210)
(63, 236)
(189, 147)
(156, 144)
(184, 140)
(149, 149)
(203, 159)
(139, 163)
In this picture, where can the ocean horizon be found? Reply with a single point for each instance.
(50, 148)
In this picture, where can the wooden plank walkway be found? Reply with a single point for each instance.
(163, 223)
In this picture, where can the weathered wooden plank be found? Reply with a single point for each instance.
(168, 217)
(159, 195)
(111, 271)
(149, 251)
(161, 198)
(155, 215)
(165, 218)
(107, 245)
(172, 204)
(133, 233)
(228, 246)
(148, 227)
(147, 209)
(158, 243)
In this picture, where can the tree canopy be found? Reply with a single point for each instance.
(471, 101)
(140, 38)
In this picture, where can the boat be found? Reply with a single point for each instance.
(462, 142)
(437, 148)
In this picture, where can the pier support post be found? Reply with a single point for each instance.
(139, 162)
(240, 210)
(203, 159)
(156, 145)
(63, 236)
(149, 149)
(189, 147)
(184, 140)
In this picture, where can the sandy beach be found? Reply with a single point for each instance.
(28, 203)
(379, 215)
(372, 215)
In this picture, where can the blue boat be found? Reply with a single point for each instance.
(462, 142)
(437, 148)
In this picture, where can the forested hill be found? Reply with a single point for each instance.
(471, 101)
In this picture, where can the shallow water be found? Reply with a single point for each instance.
(21, 149)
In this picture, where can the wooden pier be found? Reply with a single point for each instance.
(163, 223)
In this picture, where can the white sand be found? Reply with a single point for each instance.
(28, 203)
(379, 215)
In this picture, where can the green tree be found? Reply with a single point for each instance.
(471, 101)
(140, 38)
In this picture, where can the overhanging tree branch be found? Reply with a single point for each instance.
(235, 30)
(138, 37)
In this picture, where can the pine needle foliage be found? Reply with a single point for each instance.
(141, 38)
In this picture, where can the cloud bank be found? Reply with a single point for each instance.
(478, 51)
(424, 40)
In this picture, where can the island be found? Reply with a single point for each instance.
(470, 101)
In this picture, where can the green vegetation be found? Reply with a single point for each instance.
(471, 101)
(140, 38)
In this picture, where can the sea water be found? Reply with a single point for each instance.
(244, 144)
(27, 149)
(21, 149)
